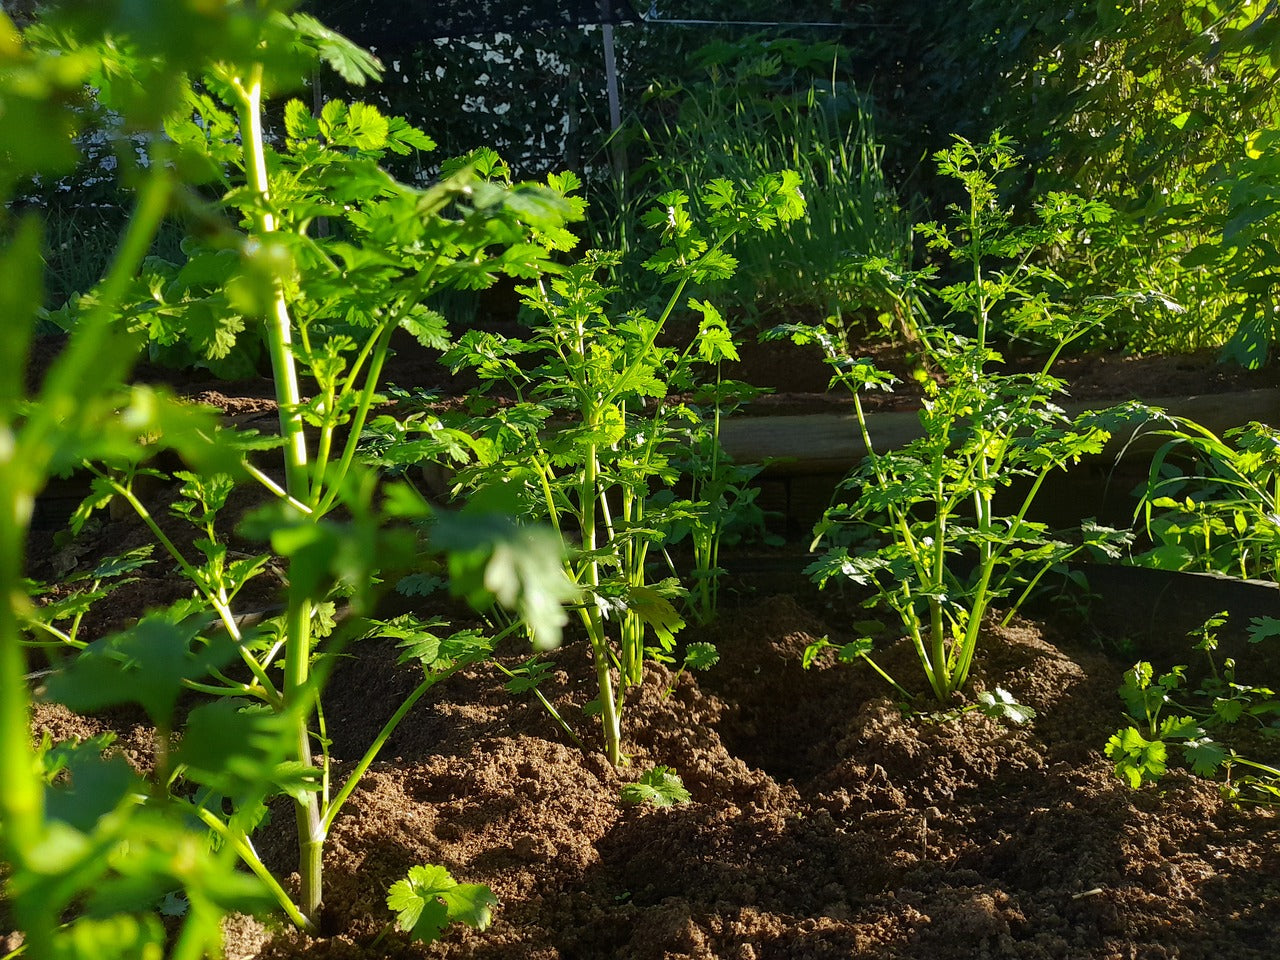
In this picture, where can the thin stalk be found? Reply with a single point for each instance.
(550, 708)
(892, 682)
(334, 481)
(371, 754)
(969, 644)
(235, 839)
(299, 695)
(610, 716)
(279, 324)
(275, 488)
(97, 347)
(22, 799)
(269, 692)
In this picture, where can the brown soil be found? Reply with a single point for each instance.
(824, 822)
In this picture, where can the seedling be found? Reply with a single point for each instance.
(1196, 728)
(659, 787)
(429, 899)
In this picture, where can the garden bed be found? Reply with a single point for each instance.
(824, 822)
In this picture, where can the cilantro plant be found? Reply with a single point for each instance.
(590, 431)
(1213, 503)
(429, 899)
(325, 302)
(89, 849)
(1171, 718)
(659, 787)
(921, 525)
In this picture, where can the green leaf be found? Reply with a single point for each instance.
(701, 655)
(299, 124)
(1204, 755)
(1180, 728)
(855, 649)
(1001, 705)
(367, 126)
(120, 937)
(145, 664)
(1138, 760)
(649, 604)
(354, 64)
(659, 787)
(235, 748)
(1263, 628)
(93, 787)
(123, 563)
(419, 584)
(813, 650)
(491, 556)
(528, 676)
(429, 898)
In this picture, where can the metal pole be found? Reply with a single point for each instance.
(611, 83)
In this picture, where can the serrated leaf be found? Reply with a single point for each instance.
(419, 584)
(528, 676)
(1137, 759)
(367, 126)
(1263, 628)
(298, 122)
(123, 563)
(657, 611)
(1204, 755)
(1180, 728)
(1001, 705)
(146, 665)
(659, 787)
(429, 898)
(354, 64)
(490, 555)
(852, 651)
(701, 656)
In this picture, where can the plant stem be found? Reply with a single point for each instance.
(609, 715)
(299, 695)
(279, 324)
(250, 858)
(384, 734)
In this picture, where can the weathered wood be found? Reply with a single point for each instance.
(830, 443)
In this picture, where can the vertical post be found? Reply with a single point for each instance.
(611, 84)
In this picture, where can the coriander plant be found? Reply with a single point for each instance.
(590, 431)
(1168, 717)
(940, 529)
(326, 302)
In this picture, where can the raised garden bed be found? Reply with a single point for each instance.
(824, 822)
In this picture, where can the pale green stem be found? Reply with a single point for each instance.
(275, 488)
(334, 481)
(371, 754)
(279, 324)
(250, 858)
(97, 355)
(299, 695)
(610, 716)
(269, 692)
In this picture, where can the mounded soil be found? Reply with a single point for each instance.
(824, 822)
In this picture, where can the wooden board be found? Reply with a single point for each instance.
(830, 443)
